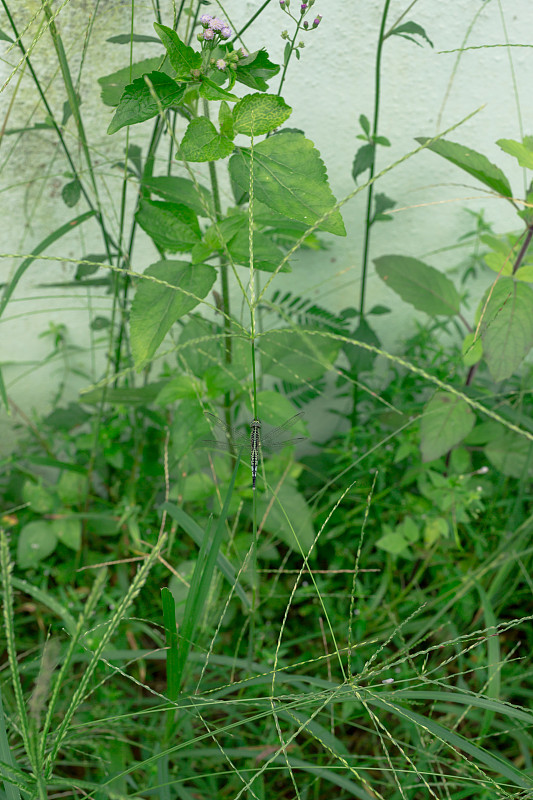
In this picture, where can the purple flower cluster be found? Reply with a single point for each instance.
(214, 26)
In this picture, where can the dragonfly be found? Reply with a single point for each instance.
(256, 440)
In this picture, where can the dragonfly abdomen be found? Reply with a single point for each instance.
(255, 444)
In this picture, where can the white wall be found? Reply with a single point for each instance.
(328, 88)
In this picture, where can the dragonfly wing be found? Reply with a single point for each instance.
(279, 443)
(238, 437)
(275, 437)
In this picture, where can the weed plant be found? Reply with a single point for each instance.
(360, 621)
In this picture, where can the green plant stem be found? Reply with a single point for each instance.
(287, 60)
(224, 282)
(523, 250)
(370, 193)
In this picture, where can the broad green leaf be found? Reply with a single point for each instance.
(113, 85)
(71, 193)
(472, 162)
(212, 91)
(37, 540)
(182, 57)
(446, 420)
(156, 306)
(289, 509)
(393, 543)
(183, 191)
(72, 488)
(290, 177)
(361, 360)
(511, 454)
(409, 30)
(267, 255)
(68, 531)
(523, 152)
(125, 396)
(172, 226)
(144, 98)
(295, 355)
(176, 389)
(422, 286)
(507, 326)
(472, 349)
(363, 160)
(202, 142)
(40, 500)
(225, 120)
(255, 70)
(258, 113)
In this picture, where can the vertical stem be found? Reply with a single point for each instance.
(291, 51)
(224, 283)
(370, 193)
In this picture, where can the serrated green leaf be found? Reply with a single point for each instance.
(522, 152)
(68, 531)
(144, 98)
(472, 162)
(507, 326)
(113, 85)
(156, 307)
(422, 286)
(446, 420)
(267, 255)
(37, 540)
(182, 57)
(182, 191)
(258, 113)
(202, 142)
(290, 177)
(172, 226)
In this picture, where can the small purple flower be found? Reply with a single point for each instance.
(209, 33)
(221, 64)
(316, 21)
(225, 32)
(303, 7)
(216, 24)
(282, 3)
(244, 52)
(205, 19)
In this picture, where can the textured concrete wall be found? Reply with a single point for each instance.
(424, 90)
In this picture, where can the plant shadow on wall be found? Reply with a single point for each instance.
(355, 621)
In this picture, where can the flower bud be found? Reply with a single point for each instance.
(282, 3)
(316, 21)
(306, 24)
(285, 34)
(303, 7)
(208, 34)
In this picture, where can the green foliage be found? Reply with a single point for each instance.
(368, 560)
